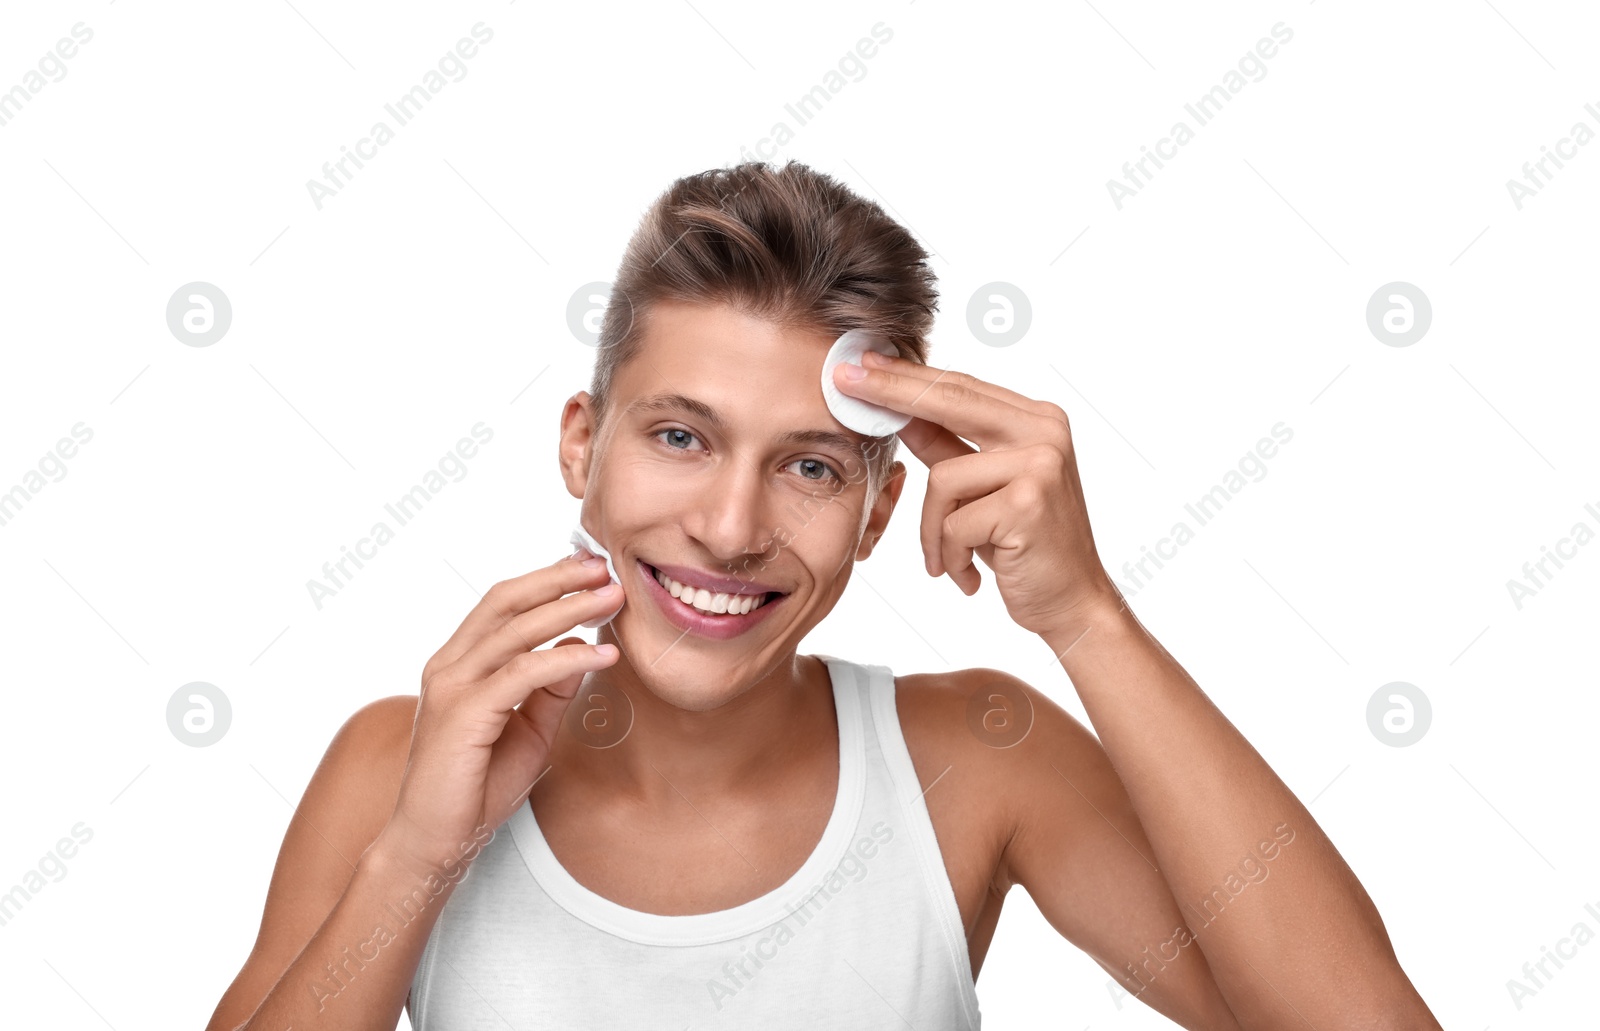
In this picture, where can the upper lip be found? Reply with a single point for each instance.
(711, 581)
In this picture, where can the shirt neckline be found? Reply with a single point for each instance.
(758, 913)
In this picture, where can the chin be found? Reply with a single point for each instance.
(689, 699)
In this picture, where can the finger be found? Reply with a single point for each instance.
(954, 400)
(529, 734)
(932, 443)
(534, 707)
(514, 765)
(510, 598)
(527, 673)
(930, 373)
(981, 526)
(563, 692)
(528, 630)
(960, 480)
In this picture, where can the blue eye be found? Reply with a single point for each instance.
(827, 470)
(681, 433)
(674, 436)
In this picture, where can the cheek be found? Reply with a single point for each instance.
(828, 542)
(633, 471)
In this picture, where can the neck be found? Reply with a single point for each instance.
(669, 754)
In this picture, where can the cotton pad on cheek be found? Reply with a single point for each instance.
(862, 416)
(581, 539)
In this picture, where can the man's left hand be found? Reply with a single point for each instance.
(1015, 500)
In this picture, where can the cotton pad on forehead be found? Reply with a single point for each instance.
(582, 539)
(862, 416)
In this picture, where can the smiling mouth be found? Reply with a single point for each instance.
(711, 603)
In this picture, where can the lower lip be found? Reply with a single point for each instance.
(719, 628)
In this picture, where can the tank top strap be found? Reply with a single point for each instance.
(891, 758)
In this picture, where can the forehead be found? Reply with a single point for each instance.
(739, 364)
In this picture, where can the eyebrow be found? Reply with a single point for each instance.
(689, 406)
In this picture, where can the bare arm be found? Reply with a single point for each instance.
(409, 792)
(1077, 846)
(1308, 943)
(1304, 943)
(356, 970)
(328, 861)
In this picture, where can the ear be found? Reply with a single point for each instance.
(576, 449)
(882, 509)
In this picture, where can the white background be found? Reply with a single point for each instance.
(431, 293)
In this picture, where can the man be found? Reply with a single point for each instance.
(723, 832)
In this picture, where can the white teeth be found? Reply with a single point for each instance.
(706, 601)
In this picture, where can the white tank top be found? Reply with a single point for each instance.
(866, 934)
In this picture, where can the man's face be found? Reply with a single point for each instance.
(721, 467)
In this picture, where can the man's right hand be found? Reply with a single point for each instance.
(491, 704)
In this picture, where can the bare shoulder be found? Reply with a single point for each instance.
(347, 802)
(352, 792)
(982, 743)
(360, 773)
(377, 737)
(1016, 764)
(964, 773)
(986, 717)
(996, 744)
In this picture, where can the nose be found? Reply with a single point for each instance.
(731, 519)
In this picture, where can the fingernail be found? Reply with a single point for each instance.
(853, 372)
(874, 358)
(608, 591)
(595, 562)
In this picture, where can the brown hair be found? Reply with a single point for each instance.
(788, 244)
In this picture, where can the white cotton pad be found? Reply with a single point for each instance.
(862, 416)
(581, 539)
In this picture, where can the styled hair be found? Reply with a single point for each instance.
(790, 245)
